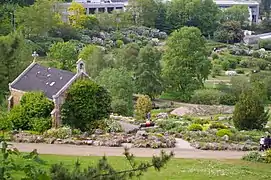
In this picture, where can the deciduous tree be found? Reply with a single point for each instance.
(38, 18)
(148, 72)
(238, 13)
(185, 63)
(120, 85)
(65, 53)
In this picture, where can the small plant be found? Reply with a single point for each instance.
(62, 133)
(195, 127)
(143, 106)
(40, 124)
(201, 121)
(217, 125)
(223, 132)
(253, 157)
(268, 156)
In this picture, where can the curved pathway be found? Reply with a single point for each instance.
(63, 149)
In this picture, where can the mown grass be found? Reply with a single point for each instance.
(180, 169)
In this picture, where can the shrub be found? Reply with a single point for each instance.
(249, 111)
(119, 43)
(206, 96)
(201, 121)
(62, 133)
(265, 43)
(240, 71)
(85, 102)
(217, 125)
(268, 156)
(40, 124)
(223, 132)
(143, 106)
(262, 64)
(18, 118)
(227, 99)
(215, 56)
(36, 104)
(112, 126)
(253, 157)
(195, 127)
(216, 70)
(225, 65)
(120, 107)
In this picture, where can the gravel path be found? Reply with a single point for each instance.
(63, 149)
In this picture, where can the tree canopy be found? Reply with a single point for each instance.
(185, 63)
(148, 72)
(86, 102)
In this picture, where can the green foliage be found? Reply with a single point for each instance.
(238, 85)
(202, 14)
(5, 123)
(36, 104)
(195, 127)
(38, 18)
(238, 13)
(119, 43)
(18, 118)
(103, 170)
(265, 43)
(268, 156)
(14, 57)
(95, 59)
(215, 56)
(143, 106)
(29, 166)
(40, 124)
(229, 32)
(111, 125)
(206, 96)
(223, 132)
(120, 85)
(126, 57)
(33, 113)
(253, 157)
(249, 111)
(227, 99)
(65, 53)
(201, 121)
(13, 162)
(85, 102)
(240, 71)
(217, 125)
(216, 71)
(185, 63)
(148, 72)
(62, 133)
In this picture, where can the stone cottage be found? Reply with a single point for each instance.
(53, 82)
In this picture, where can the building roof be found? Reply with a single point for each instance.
(39, 78)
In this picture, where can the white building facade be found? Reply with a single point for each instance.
(253, 7)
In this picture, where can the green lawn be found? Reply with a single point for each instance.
(183, 169)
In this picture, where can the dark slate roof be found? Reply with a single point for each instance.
(40, 78)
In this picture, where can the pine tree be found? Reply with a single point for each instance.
(249, 111)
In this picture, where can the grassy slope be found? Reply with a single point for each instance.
(184, 169)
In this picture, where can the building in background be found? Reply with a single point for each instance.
(95, 6)
(253, 7)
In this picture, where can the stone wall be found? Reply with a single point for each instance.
(17, 95)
